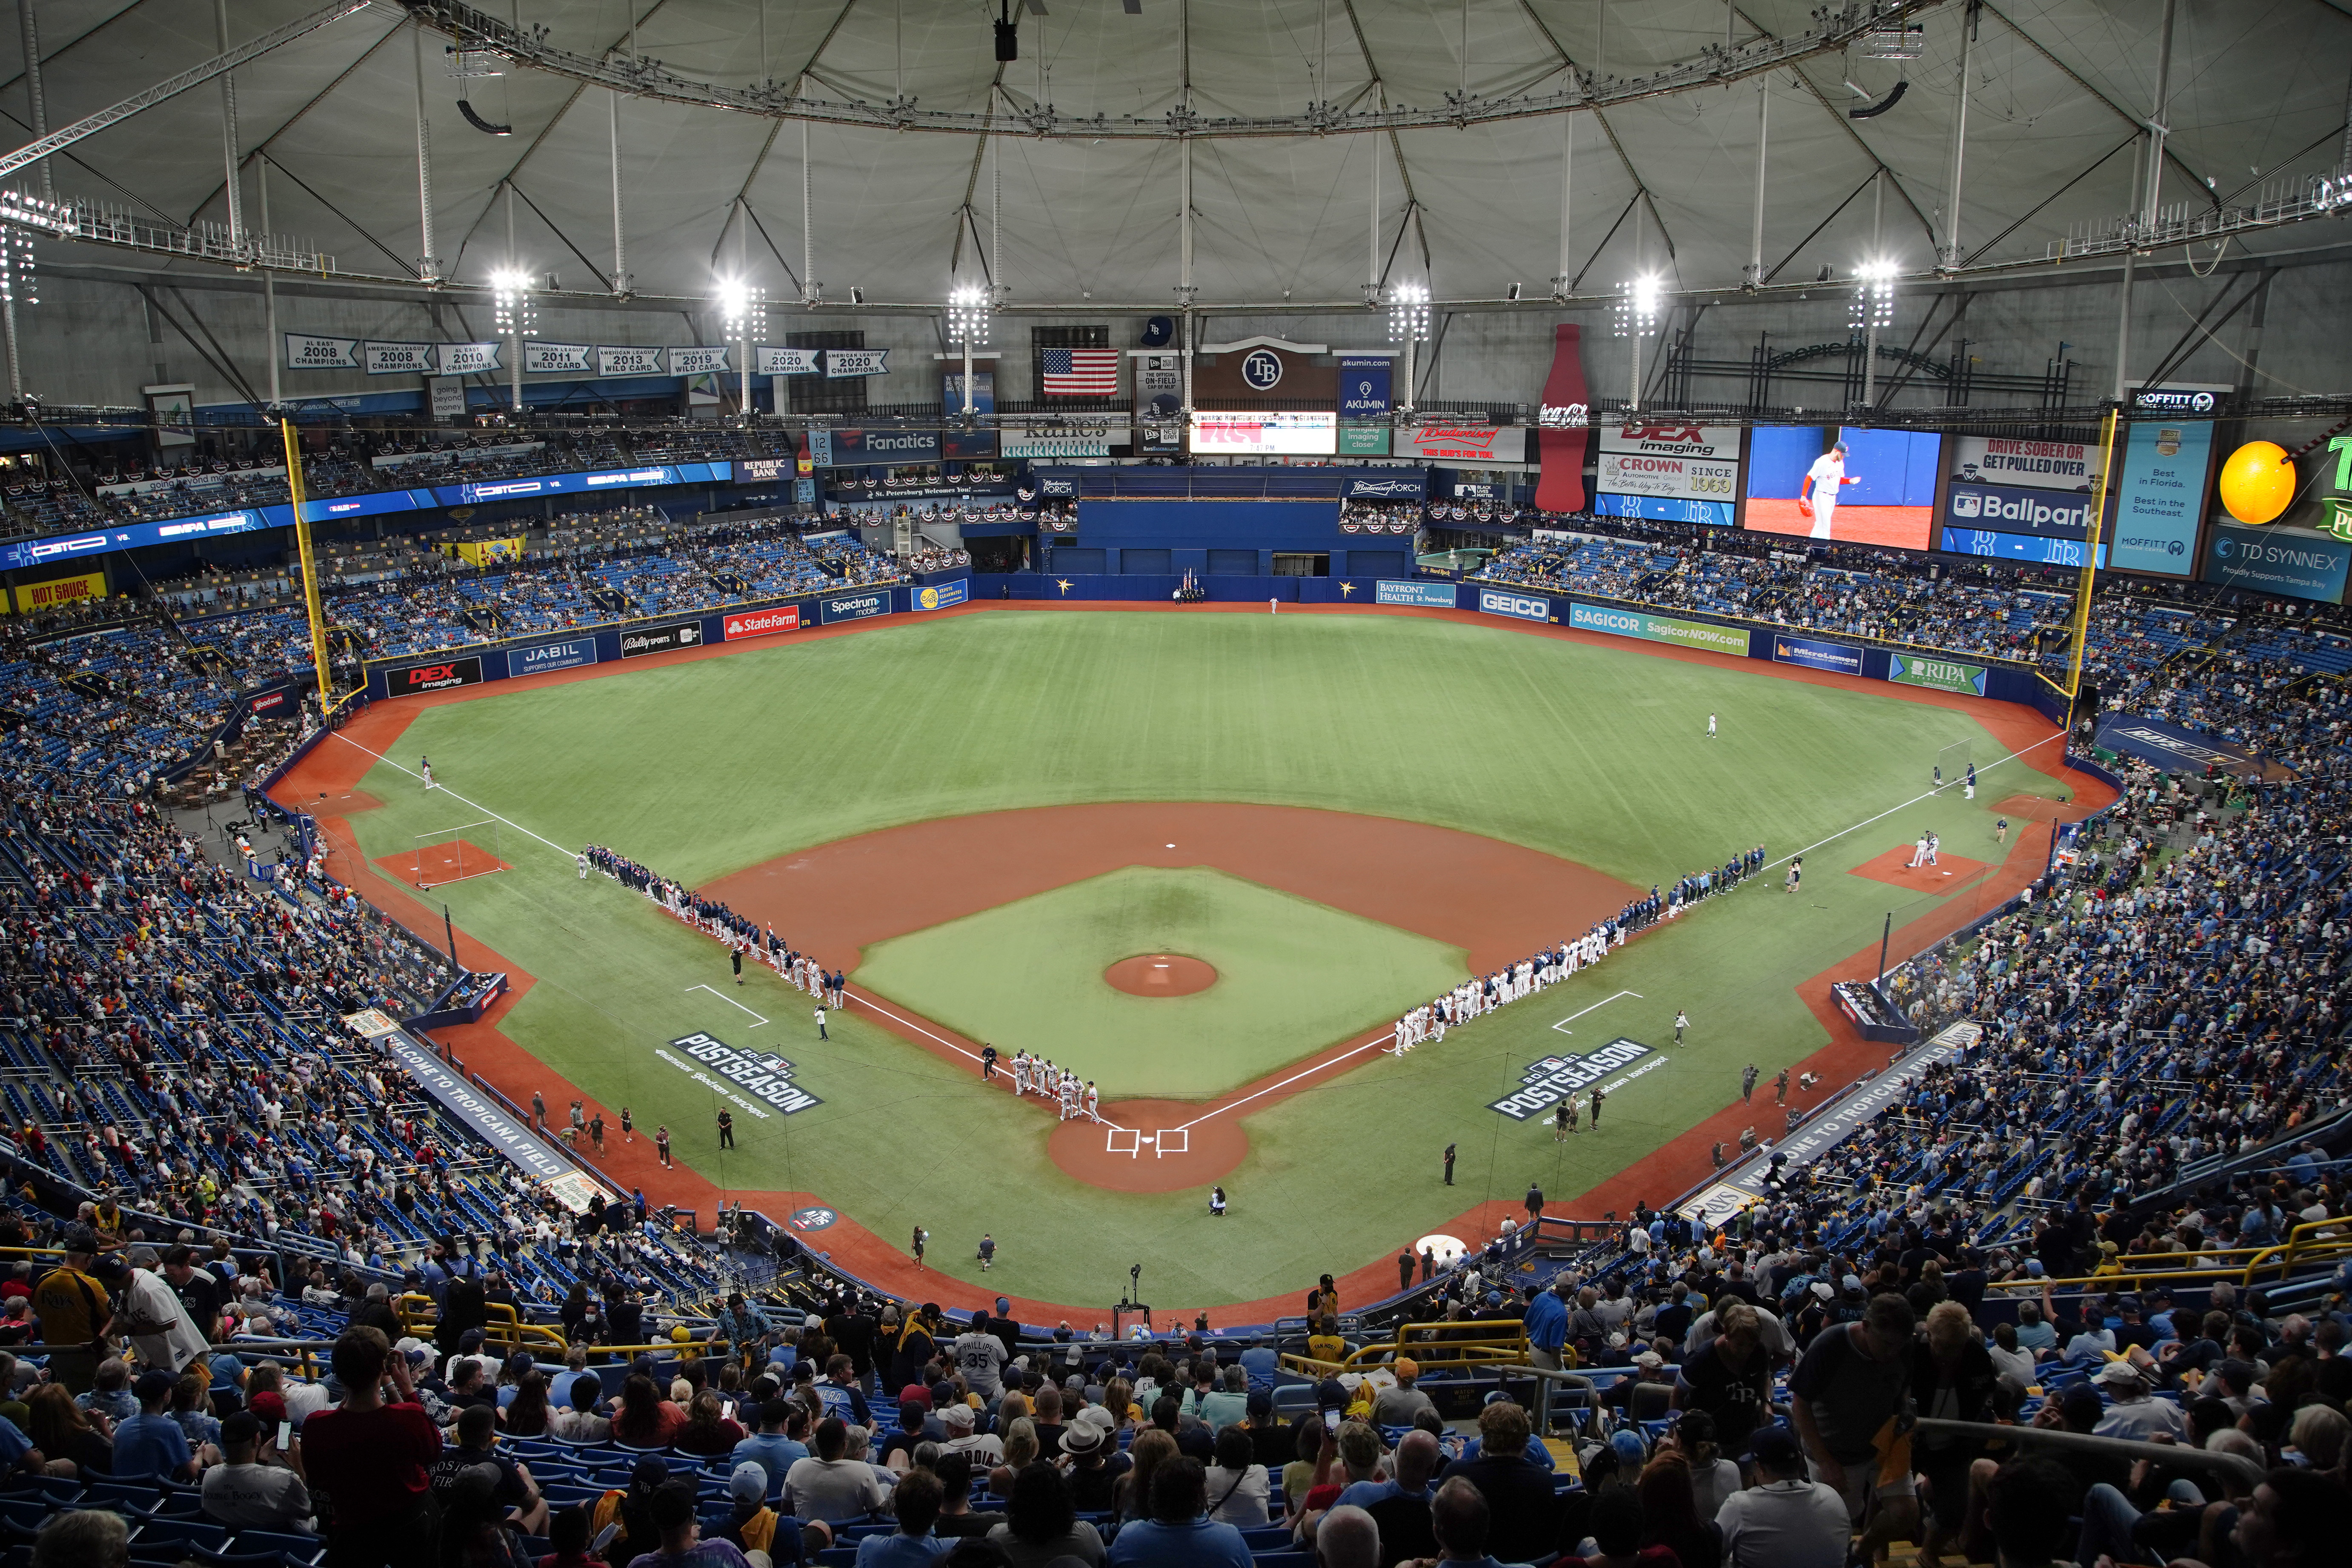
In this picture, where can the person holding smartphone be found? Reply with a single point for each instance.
(370, 1457)
(259, 1484)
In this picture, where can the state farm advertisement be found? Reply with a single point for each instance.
(1438, 442)
(761, 623)
(408, 680)
(1676, 462)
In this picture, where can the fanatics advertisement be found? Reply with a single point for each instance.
(567, 655)
(761, 623)
(410, 679)
(1306, 434)
(1659, 629)
(1833, 657)
(854, 607)
(638, 641)
(1428, 596)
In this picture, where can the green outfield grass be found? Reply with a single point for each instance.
(1591, 753)
(1293, 976)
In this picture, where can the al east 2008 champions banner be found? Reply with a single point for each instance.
(1563, 426)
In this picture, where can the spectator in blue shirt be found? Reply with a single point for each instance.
(1260, 1361)
(151, 1443)
(1547, 1324)
(916, 1502)
(1180, 1533)
(769, 1447)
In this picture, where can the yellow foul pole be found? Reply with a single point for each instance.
(310, 565)
(2088, 579)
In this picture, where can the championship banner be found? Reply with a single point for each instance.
(761, 623)
(841, 364)
(767, 359)
(400, 358)
(1561, 426)
(304, 352)
(48, 595)
(697, 361)
(1941, 673)
(1659, 629)
(469, 359)
(615, 361)
(555, 359)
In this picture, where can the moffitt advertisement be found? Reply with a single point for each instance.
(761, 623)
(570, 654)
(410, 679)
(1427, 596)
(2162, 477)
(638, 641)
(1659, 629)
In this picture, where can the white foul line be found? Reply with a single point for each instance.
(1905, 805)
(453, 794)
(968, 1056)
(1563, 1025)
(1293, 1077)
(729, 1000)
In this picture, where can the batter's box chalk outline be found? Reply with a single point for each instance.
(1113, 1146)
(1174, 1140)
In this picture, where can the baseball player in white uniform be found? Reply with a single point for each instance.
(1919, 853)
(1821, 482)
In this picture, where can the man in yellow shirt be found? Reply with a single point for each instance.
(75, 1312)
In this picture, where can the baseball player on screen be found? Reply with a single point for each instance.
(1821, 482)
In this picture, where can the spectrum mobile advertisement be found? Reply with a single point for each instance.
(1880, 490)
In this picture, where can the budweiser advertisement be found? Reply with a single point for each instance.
(761, 623)
(1563, 425)
(1437, 441)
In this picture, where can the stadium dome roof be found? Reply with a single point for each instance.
(1462, 97)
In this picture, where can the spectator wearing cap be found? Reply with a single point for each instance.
(245, 1490)
(148, 1313)
(1784, 1521)
(1397, 1406)
(1517, 1493)
(750, 1523)
(1848, 1385)
(960, 1418)
(771, 1447)
(151, 1443)
(76, 1313)
(2132, 1414)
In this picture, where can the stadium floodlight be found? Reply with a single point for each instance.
(1873, 308)
(510, 289)
(1409, 325)
(969, 306)
(1638, 301)
(743, 312)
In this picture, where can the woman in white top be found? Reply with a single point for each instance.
(1236, 1487)
(1712, 1477)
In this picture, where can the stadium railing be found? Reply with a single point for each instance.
(1466, 1345)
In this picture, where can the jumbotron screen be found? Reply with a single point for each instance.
(1844, 482)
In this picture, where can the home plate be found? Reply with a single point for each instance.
(1146, 1138)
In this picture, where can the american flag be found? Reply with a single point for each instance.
(1080, 372)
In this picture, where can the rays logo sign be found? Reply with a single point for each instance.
(1551, 1079)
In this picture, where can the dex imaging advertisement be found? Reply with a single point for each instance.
(1844, 482)
(1684, 473)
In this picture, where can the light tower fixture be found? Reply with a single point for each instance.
(1638, 299)
(516, 315)
(969, 306)
(1873, 308)
(743, 314)
(1409, 325)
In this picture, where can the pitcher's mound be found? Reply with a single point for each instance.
(1160, 974)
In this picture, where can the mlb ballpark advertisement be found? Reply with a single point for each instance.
(1563, 424)
(570, 654)
(1943, 674)
(1547, 1082)
(1686, 463)
(1835, 656)
(761, 623)
(638, 641)
(1428, 596)
(1659, 629)
(407, 680)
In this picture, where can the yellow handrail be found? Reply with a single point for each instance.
(1485, 1344)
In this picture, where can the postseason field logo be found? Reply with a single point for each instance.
(436, 677)
(763, 1075)
(761, 623)
(1428, 596)
(1553, 1079)
(1520, 606)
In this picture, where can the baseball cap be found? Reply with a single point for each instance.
(915, 1394)
(240, 1428)
(1775, 1447)
(957, 1414)
(270, 1407)
(2118, 1373)
(80, 1238)
(748, 1484)
(153, 1385)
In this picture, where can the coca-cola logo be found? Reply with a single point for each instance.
(1563, 416)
